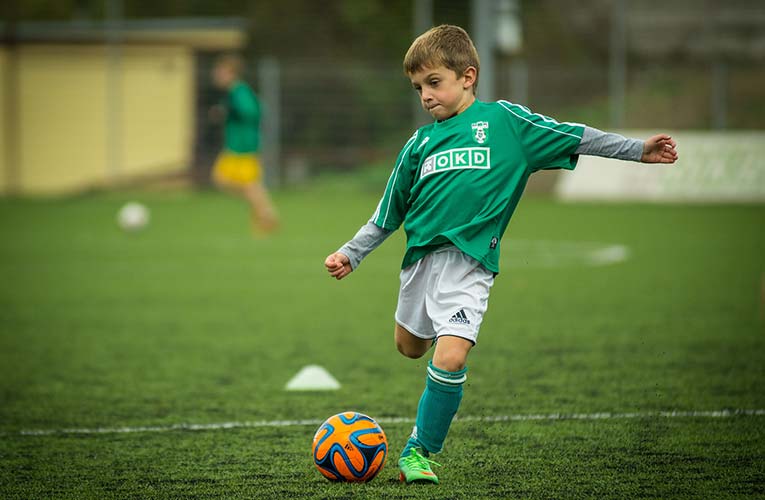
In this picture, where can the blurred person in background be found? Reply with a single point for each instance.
(237, 168)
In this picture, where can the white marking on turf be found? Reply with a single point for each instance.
(399, 420)
(312, 378)
(608, 255)
(520, 253)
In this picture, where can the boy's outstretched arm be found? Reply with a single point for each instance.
(341, 263)
(659, 149)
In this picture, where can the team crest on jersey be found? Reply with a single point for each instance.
(479, 132)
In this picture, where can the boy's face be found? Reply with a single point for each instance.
(442, 92)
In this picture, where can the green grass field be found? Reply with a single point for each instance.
(194, 321)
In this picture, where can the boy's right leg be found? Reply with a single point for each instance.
(454, 305)
(438, 404)
(413, 462)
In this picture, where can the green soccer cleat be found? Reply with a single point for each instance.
(416, 467)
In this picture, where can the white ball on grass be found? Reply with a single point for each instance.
(133, 216)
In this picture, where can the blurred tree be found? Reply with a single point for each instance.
(339, 29)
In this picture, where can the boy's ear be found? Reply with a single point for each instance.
(469, 76)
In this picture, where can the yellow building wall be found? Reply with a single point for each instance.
(62, 121)
(157, 109)
(68, 141)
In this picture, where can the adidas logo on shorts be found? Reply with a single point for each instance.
(459, 317)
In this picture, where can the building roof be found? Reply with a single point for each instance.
(199, 33)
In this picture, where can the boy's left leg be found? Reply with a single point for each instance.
(456, 299)
(438, 404)
(409, 344)
(441, 398)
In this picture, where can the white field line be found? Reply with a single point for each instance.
(549, 254)
(395, 420)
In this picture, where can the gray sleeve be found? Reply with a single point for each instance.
(598, 143)
(369, 237)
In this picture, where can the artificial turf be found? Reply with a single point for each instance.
(195, 321)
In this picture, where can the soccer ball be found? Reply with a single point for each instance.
(349, 447)
(133, 216)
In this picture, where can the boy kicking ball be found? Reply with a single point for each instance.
(455, 186)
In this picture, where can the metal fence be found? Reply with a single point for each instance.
(344, 116)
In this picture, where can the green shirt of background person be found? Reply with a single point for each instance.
(241, 134)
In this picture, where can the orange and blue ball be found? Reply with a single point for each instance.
(349, 447)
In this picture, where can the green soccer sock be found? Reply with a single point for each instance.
(438, 405)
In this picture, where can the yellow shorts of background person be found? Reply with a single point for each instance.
(239, 169)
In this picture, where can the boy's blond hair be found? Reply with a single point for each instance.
(446, 45)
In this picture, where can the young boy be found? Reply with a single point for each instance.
(237, 168)
(455, 185)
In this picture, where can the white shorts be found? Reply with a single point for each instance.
(444, 293)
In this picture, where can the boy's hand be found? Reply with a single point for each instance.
(338, 265)
(659, 149)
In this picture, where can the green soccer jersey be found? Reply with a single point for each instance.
(458, 181)
(241, 134)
